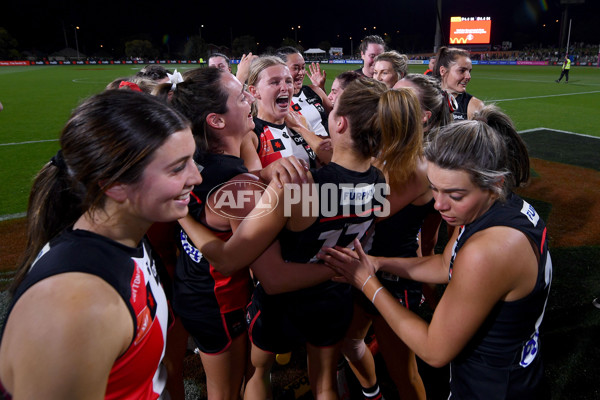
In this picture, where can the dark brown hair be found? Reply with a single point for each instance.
(111, 137)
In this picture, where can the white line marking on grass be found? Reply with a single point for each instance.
(559, 131)
(491, 77)
(30, 142)
(7, 275)
(12, 216)
(541, 97)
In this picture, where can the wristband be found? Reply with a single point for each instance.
(375, 295)
(362, 288)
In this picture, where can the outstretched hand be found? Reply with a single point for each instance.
(317, 77)
(244, 67)
(351, 266)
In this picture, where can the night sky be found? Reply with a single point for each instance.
(49, 27)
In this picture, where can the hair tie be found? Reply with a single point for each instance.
(175, 78)
(452, 104)
(58, 161)
(130, 85)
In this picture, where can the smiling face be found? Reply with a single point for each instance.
(297, 67)
(238, 119)
(383, 71)
(457, 198)
(273, 93)
(163, 193)
(457, 76)
(368, 57)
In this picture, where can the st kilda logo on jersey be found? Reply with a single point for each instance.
(277, 145)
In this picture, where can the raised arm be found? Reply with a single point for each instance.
(244, 67)
(317, 77)
(327, 104)
(298, 123)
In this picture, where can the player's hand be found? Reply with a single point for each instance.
(351, 266)
(286, 170)
(317, 77)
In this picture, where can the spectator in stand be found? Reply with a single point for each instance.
(431, 66)
(453, 68)
(390, 67)
(370, 47)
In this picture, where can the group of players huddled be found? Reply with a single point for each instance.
(255, 214)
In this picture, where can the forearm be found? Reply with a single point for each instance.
(314, 142)
(324, 99)
(431, 269)
(226, 257)
(289, 277)
(408, 326)
(210, 246)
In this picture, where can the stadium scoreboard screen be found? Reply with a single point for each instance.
(470, 30)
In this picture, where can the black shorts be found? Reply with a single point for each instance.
(320, 316)
(409, 293)
(214, 332)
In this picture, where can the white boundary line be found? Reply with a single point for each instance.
(29, 142)
(541, 97)
(559, 131)
(12, 216)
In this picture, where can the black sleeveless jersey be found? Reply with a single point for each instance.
(218, 168)
(397, 236)
(462, 100)
(348, 202)
(502, 360)
(347, 205)
(198, 287)
(132, 272)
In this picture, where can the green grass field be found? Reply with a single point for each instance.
(38, 100)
